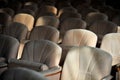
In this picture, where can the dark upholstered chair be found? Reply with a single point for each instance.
(103, 27)
(67, 15)
(8, 49)
(21, 74)
(16, 30)
(71, 23)
(66, 9)
(27, 11)
(5, 20)
(8, 11)
(87, 63)
(40, 55)
(84, 10)
(47, 21)
(44, 32)
(31, 5)
(95, 16)
(47, 9)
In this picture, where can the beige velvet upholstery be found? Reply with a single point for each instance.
(79, 37)
(47, 21)
(110, 43)
(25, 19)
(45, 32)
(71, 23)
(86, 63)
(95, 16)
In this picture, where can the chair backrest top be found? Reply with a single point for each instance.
(80, 37)
(44, 32)
(17, 30)
(48, 21)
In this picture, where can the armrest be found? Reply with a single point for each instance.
(2, 62)
(2, 59)
(52, 71)
(2, 65)
(27, 64)
(109, 77)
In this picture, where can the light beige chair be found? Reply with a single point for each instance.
(48, 21)
(79, 37)
(25, 19)
(87, 63)
(111, 44)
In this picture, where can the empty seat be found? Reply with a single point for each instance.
(40, 55)
(8, 11)
(110, 43)
(85, 9)
(31, 5)
(47, 9)
(71, 23)
(95, 16)
(25, 19)
(44, 32)
(8, 49)
(77, 37)
(21, 74)
(48, 21)
(87, 63)
(66, 9)
(26, 11)
(17, 30)
(67, 15)
(103, 27)
(5, 20)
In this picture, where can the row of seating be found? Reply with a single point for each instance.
(44, 56)
(74, 27)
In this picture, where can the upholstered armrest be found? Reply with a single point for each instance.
(27, 64)
(3, 65)
(2, 59)
(53, 73)
(2, 62)
(109, 77)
